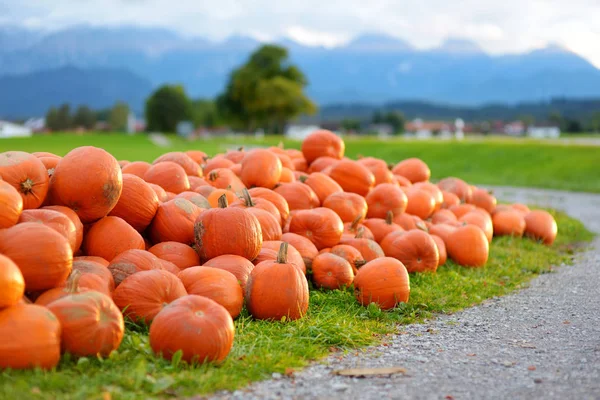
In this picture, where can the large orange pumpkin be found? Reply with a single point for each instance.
(137, 168)
(540, 225)
(182, 255)
(305, 247)
(91, 324)
(443, 216)
(216, 284)
(12, 284)
(435, 192)
(43, 255)
(415, 249)
(509, 222)
(270, 250)
(168, 175)
(322, 185)
(144, 294)
(55, 220)
(26, 173)
(88, 180)
(321, 226)
(239, 266)
(322, 143)
(413, 169)
(330, 271)
(190, 166)
(275, 198)
(30, 337)
(352, 177)
(480, 219)
(138, 203)
(11, 205)
(110, 237)
(132, 261)
(277, 289)
(384, 198)
(72, 215)
(468, 246)
(185, 325)
(94, 276)
(349, 206)
(174, 222)
(383, 281)
(298, 196)
(420, 203)
(226, 230)
(247, 201)
(261, 168)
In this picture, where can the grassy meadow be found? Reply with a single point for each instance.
(523, 162)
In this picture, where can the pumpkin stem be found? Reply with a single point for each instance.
(247, 198)
(389, 217)
(390, 166)
(223, 201)
(282, 254)
(355, 223)
(303, 178)
(360, 233)
(73, 282)
(280, 145)
(213, 175)
(241, 148)
(27, 186)
(359, 263)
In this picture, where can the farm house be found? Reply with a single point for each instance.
(9, 129)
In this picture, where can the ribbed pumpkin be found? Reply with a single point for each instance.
(55, 220)
(11, 205)
(71, 286)
(174, 222)
(30, 337)
(137, 168)
(480, 219)
(216, 284)
(195, 198)
(138, 203)
(443, 231)
(468, 246)
(50, 164)
(213, 197)
(91, 324)
(384, 281)
(168, 175)
(509, 222)
(322, 143)
(413, 169)
(88, 180)
(349, 206)
(225, 178)
(450, 199)
(355, 228)
(247, 201)
(12, 284)
(298, 196)
(43, 255)
(277, 289)
(182, 255)
(379, 169)
(275, 198)
(226, 230)
(350, 254)
(384, 198)
(441, 249)
(443, 216)
(217, 162)
(380, 227)
(321, 226)
(420, 203)
(322, 185)
(261, 168)
(305, 247)
(94, 276)
(199, 156)
(369, 249)
(483, 199)
(185, 325)
(110, 237)
(72, 215)
(322, 164)
(457, 186)
(270, 250)
(330, 271)
(237, 265)
(462, 209)
(352, 177)
(132, 261)
(540, 225)
(190, 166)
(95, 259)
(26, 173)
(269, 225)
(415, 249)
(144, 294)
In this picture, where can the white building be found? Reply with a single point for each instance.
(299, 132)
(9, 130)
(541, 132)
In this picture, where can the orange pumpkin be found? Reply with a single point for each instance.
(287, 175)
(55, 220)
(91, 324)
(450, 199)
(355, 229)
(509, 222)
(71, 286)
(11, 205)
(168, 175)
(110, 237)
(239, 266)
(402, 181)
(174, 222)
(439, 242)
(468, 246)
(88, 180)
(443, 216)
(277, 289)
(298, 196)
(352, 177)
(540, 225)
(322, 143)
(217, 162)
(521, 208)
(379, 169)
(223, 178)
(227, 230)
(199, 156)
(321, 226)
(420, 203)
(350, 254)
(380, 227)
(12, 284)
(190, 166)
(384, 281)
(185, 323)
(275, 198)
(182, 255)
(349, 206)
(94, 276)
(30, 337)
(435, 192)
(261, 168)
(369, 249)
(305, 247)
(72, 215)
(457, 186)
(216, 284)
(26, 173)
(270, 250)
(384, 198)
(138, 203)
(247, 201)
(322, 185)
(46, 267)
(322, 164)
(213, 197)
(482, 220)
(413, 169)
(160, 193)
(331, 272)
(416, 249)
(144, 294)
(137, 168)
(483, 199)
(443, 231)
(462, 209)
(132, 261)
(235, 155)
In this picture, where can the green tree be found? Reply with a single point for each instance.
(377, 117)
(267, 91)
(396, 120)
(527, 120)
(84, 117)
(117, 118)
(166, 107)
(596, 121)
(205, 113)
(64, 119)
(52, 119)
(350, 124)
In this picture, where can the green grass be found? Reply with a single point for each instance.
(526, 163)
(334, 321)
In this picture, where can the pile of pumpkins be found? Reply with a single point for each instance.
(184, 242)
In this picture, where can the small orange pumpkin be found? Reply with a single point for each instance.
(331, 272)
(26, 173)
(12, 284)
(540, 225)
(216, 284)
(383, 281)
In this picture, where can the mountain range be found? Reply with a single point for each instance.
(39, 69)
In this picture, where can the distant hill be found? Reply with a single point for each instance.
(34, 93)
(372, 68)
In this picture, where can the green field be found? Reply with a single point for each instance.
(526, 163)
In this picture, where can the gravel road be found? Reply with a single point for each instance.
(540, 342)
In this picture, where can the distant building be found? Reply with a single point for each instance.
(543, 132)
(36, 124)
(515, 128)
(299, 132)
(10, 130)
(185, 128)
(427, 129)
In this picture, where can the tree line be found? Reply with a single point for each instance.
(63, 118)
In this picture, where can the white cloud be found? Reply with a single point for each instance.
(497, 26)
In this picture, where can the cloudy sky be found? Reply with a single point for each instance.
(499, 26)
